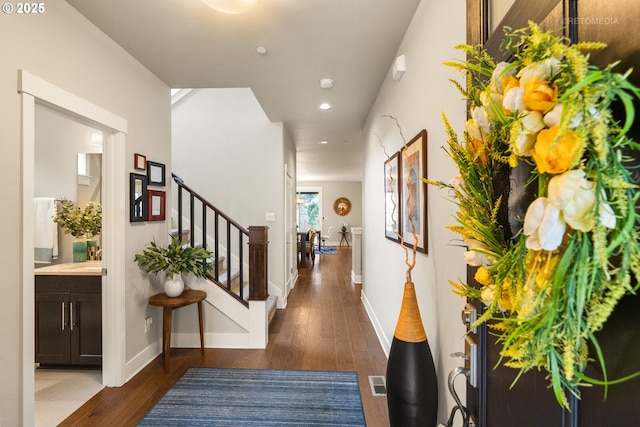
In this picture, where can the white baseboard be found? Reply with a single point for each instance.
(384, 342)
(211, 340)
(356, 278)
(142, 359)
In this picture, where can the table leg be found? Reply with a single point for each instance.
(166, 336)
(303, 249)
(201, 327)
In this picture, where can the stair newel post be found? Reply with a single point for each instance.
(258, 262)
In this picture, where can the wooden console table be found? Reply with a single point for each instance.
(188, 297)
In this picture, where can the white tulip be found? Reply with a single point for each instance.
(458, 184)
(474, 257)
(543, 225)
(512, 100)
(525, 134)
(574, 195)
(554, 116)
(498, 73)
(481, 119)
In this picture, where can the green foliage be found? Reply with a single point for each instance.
(176, 258)
(79, 222)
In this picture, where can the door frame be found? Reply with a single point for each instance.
(35, 90)
(291, 272)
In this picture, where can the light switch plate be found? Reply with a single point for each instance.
(270, 216)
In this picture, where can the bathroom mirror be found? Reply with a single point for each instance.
(89, 178)
(138, 194)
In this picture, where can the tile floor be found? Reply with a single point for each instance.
(60, 392)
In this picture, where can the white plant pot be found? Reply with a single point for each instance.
(173, 287)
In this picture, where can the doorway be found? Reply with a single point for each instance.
(34, 90)
(68, 165)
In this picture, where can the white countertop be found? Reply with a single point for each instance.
(88, 268)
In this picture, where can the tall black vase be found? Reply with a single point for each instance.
(412, 387)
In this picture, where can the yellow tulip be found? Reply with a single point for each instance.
(539, 96)
(556, 155)
(482, 276)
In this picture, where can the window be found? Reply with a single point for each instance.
(308, 210)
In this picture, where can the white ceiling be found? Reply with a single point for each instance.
(354, 42)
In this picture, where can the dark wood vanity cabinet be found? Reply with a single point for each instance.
(68, 320)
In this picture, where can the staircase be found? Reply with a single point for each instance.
(237, 285)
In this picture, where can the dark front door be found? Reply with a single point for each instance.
(530, 402)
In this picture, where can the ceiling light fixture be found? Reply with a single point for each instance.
(326, 83)
(324, 142)
(324, 106)
(231, 6)
(261, 50)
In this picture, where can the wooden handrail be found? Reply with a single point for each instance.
(181, 183)
(255, 236)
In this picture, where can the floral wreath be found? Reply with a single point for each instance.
(551, 283)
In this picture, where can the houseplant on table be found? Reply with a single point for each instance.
(80, 223)
(175, 260)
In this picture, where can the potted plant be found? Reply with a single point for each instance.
(175, 260)
(80, 223)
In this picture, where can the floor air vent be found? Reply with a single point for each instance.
(378, 385)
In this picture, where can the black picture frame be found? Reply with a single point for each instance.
(137, 197)
(155, 173)
(392, 202)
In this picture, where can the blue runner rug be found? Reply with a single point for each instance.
(255, 397)
(327, 250)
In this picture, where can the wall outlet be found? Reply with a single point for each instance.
(147, 324)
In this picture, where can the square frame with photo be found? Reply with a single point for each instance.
(155, 173)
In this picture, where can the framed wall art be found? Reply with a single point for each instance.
(155, 173)
(414, 192)
(139, 162)
(156, 205)
(342, 206)
(392, 206)
(138, 197)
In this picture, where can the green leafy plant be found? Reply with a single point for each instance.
(79, 222)
(176, 258)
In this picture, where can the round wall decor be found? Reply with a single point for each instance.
(342, 206)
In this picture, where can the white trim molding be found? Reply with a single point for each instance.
(35, 90)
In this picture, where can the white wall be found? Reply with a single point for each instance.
(226, 149)
(417, 101)
(63, 48)
(331, 190)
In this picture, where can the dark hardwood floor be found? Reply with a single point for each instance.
(324, 327)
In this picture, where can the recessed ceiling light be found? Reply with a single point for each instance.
(231, 6)
(261, 50)
(324, 106)
(324, 142)
(326, 83)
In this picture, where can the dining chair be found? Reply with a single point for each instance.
(326, 236)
